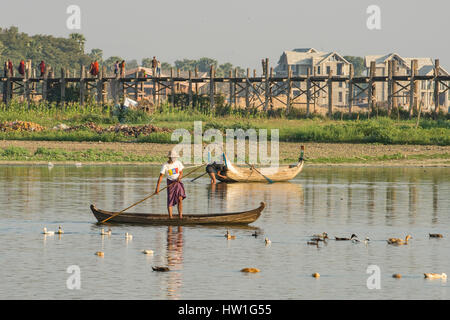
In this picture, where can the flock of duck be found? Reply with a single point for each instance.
(315, 240)
(323, 237)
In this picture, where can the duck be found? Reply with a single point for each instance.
(435, 235)
(229, 236)
(366, 241)
(398, 241)
(316, 275)
(267, 241)
(313, 243)
(147, 251)
(49, 233)
(128, 236)
(396, 275)
(161, 269)
(346, 239)
(255, 234)
(106, 233)
(78, 164)
(100, 253)
(435, 275)
(251, 270)
(322, 236)
(60, 230)
(50, 165)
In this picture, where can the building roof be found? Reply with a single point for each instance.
(425, 66)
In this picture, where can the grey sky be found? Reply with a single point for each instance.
(242, 31)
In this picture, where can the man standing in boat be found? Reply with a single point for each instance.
(175, 188)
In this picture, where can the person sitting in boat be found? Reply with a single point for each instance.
(214, 169)
(175, 188)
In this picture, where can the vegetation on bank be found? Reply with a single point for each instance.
(14, 153)
(295, 127)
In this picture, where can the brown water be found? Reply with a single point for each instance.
(375, 202)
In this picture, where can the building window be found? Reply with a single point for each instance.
(318, 70)
(328, 69)
(339, 69)
(340, 96)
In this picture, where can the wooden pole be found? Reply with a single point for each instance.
(154, 85)
(235, 101)
(62, 84)
(436, 88)
(136, 83)
(267, 85)
(45, 85)
(7, 85)
(230, 88)
(26, 83)
(330, 94)
(172, 89)
(390, 86)
(82, 85)
(350, 89)
(247, 89)
(288, 90)
(211, 87)
(190, 88)
(308, 91)
(412, 87)
(371, 89)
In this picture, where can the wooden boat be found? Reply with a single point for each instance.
(234, 218)
(249, 174)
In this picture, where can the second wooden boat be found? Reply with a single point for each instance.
(249, 174)
(234, 218)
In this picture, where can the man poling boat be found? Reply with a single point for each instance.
(175, 188)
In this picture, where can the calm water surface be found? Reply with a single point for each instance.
(373, 202)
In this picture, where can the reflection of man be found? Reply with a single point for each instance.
(174, 259)
(214, 169)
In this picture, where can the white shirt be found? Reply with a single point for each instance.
(172, 169)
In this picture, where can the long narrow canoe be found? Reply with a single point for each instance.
(248, 174)
(237, 218)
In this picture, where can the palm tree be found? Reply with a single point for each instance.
(78, 37)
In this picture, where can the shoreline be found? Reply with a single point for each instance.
(145, 154)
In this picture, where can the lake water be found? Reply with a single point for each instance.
(371, 202)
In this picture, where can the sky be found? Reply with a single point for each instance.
(242, 31)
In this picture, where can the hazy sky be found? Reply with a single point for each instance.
(242, 31)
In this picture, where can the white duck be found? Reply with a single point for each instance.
(49, 233)
(267, 241)
(128, 236)
(106, 233)
(435, 275)
(78, 164)
(147, 251)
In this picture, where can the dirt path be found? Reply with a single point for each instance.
(287, 150)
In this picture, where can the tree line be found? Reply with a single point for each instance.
(69, 53)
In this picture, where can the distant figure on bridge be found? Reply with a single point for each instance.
(94, 69)
(154, 63)
(42, 68)
(122, 68)
(158, 68)
(22, 67)
(116, 68)
(10, 67)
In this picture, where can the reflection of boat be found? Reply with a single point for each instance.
(244, 217)
(250, 174)
(288, 195)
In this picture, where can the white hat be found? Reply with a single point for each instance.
(173, 154)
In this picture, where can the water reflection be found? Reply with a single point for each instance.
(174, 261)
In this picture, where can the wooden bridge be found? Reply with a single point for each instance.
(258, 91)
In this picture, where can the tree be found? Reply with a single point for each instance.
(358, 64)
(96, 54)
(146, 62)
(79, 38)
